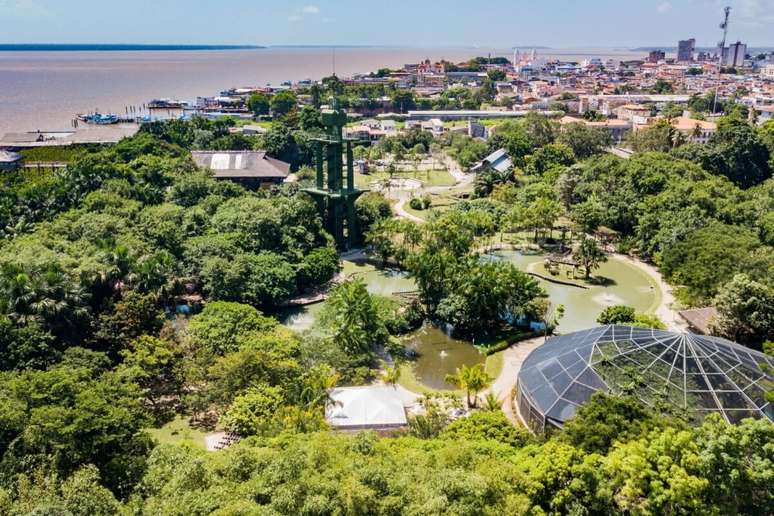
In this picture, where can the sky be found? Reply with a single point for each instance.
(414, 23)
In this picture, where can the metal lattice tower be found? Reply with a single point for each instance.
(722, 46)
(336, 200)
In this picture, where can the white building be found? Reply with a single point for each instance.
(695, 131)
(734, 54)
(765, 113)
(767, 71)
(372, 407)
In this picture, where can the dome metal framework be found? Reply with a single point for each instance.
(691, 373)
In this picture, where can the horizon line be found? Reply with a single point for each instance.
(251, 46)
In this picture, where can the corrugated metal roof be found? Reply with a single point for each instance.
(241, 164)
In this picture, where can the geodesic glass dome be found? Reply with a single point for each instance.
(691, 373)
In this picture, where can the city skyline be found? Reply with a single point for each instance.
(498, 24)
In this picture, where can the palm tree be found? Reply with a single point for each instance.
(118, 268)
(316, 389)
(471, 379)
(352, 318)
(17, 293)
(491, 403)
(43, 295)
(478, 381)
(156, 274)
(391, 375)
(58, 298)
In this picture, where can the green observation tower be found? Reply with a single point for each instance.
(336, 200)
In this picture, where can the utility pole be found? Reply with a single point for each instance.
(723, 26)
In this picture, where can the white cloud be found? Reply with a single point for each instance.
(664, 7)
(308, 11)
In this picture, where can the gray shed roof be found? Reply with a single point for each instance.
(241, 164)
(699, 318)
(498, 160)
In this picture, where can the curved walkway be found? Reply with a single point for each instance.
(664, 311)
(402, 195)
(504, 384)
(401, 212)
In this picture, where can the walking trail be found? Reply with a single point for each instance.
(401, 212)
(504, 384)
(664, 311)
(402, 196)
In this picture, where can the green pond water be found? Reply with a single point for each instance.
(438, 354)
(624, 285)
(382, 282)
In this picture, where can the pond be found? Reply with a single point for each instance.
(438, 354)
(382, 282)
(625, 285)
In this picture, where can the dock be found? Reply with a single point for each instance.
(85, 135)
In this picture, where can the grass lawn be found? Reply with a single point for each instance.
(486, 122)
(428, 178)
(422, 214)
(179, 431)
(64, 154)
(432, 177)
(494, 364)
(441, 202)
(241, 122)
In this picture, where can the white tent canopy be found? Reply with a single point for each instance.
(373, 407)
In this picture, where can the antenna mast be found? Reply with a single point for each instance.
(722, 45)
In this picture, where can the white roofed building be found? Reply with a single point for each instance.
(373, 407)
(250, 168)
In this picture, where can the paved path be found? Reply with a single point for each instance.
(620, 152)
(403, 196)
(503, 385)
(401, 212)
(664, 311)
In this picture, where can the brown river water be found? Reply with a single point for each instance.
(44, 90)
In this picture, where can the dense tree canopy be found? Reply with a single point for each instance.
(616, 458)
(135, 288)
